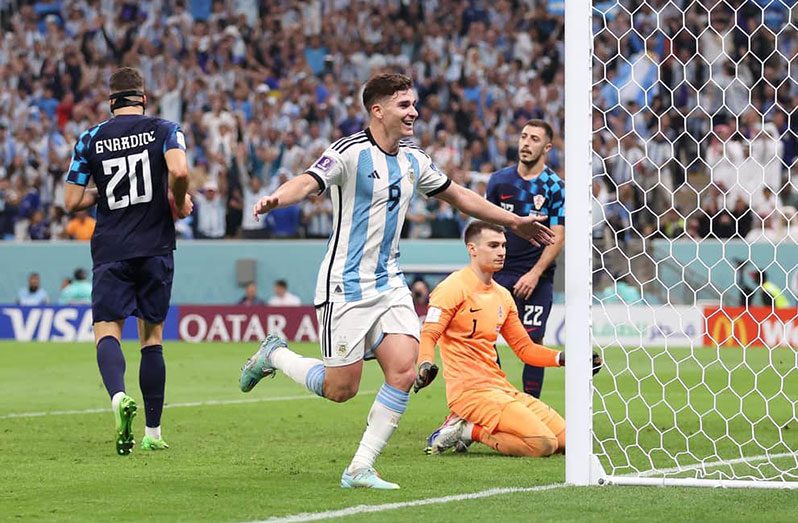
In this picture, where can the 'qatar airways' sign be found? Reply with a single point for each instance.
(246, 323)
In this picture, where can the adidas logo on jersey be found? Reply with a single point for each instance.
(338, 289)
(374, 175)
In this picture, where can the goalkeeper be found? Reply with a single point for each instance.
(466, 313)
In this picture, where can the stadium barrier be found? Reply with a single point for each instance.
(612, 325)
(193, 323)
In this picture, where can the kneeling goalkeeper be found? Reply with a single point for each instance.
(466, 313)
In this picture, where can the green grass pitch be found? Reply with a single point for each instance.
(278, 451)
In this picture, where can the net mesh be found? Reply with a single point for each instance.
(694, 238)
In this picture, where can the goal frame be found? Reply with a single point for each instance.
(582, 466)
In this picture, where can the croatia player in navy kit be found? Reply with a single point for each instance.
(363, 304)
(531, 188)
(130, 157)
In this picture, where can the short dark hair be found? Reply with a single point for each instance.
(384, 85)
(79, 274)
(126, 79)
(281, 283)
(543, 124)
(475, 228)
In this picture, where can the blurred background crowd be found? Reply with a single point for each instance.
(261, 88)
(686, 92)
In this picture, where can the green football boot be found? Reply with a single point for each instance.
(259, 365)
(148, 443)
(124, 425)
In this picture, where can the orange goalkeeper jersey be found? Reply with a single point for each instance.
(464, 318)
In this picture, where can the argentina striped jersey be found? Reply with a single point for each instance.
(370, 191)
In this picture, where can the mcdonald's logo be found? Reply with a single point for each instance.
(725, 331)
(749, 327)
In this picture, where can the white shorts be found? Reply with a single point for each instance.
(351, 331)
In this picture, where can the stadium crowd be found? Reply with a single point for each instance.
(261, 88)
(702, 93)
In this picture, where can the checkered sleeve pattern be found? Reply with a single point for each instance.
(556, 200)
(79, 166)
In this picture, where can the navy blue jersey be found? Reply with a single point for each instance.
(125, 157)
(544, 195)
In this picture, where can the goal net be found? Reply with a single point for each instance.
(693, 241)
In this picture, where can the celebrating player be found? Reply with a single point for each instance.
(130, 158)
(467, 312)
(363, 304)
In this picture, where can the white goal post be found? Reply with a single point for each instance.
(700, 384)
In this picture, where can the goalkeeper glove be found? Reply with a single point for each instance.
(597, 363)
(426, 373)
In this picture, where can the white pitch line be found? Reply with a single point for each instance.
(208, 403)
(367, 509)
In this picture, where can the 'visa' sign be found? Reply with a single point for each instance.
(46, 323)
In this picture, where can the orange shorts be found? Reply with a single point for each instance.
(484, 407)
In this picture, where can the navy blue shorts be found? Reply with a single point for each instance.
(140, 287)
(533, 312)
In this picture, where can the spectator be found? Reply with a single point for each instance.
(770, 293)
(420, 290)
(211, 213)
(78, 290)
(283, 298)
(250, 295)
(252, 229)
(33, 294)
(285, 222)
(317, 217)
(624, 290)
(81, 226)
(39, 228)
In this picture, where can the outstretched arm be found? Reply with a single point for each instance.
(293, 191)
(472, 204)
(529, 352)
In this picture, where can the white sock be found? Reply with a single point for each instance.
(465, 435)
(116, 400)
(153, 432)
(382, 421)
(292, 364)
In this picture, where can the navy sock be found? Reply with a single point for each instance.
(533, 380)
(111, 362)
(152, 380)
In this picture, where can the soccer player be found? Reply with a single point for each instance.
(130, 157)
(467, 312)
(531, 187)
(364, 306)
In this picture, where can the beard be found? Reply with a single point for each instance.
(532, 161)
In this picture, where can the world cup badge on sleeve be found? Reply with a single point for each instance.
(323, 164)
